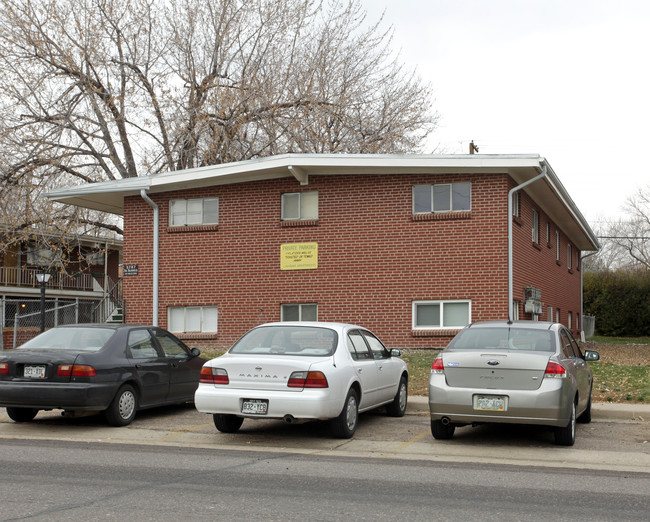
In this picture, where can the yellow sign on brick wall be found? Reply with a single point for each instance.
(299, 256)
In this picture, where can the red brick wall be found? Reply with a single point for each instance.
(535, 265)
(374, 258)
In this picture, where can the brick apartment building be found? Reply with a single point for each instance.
(412, 246)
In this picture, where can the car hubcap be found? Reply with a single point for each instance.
(352, 413)
(127, 405)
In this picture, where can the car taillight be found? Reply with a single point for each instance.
(75, 370)
(307, 380)
(211, 375)
(437, 366)
(555, 370)
(4, 369)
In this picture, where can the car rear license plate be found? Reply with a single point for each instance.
(491, 402)
(255, 406)
(34, 372)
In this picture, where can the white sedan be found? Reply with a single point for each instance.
(303, 371)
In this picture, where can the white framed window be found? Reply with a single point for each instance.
(515, 204)
(194, 211)
(442, 197)
(300, 205)
(429, 315)
(557, 315)
(548, 233)
(515, 310)
(549, 314)
(569, 258)
(535, 226)
(299, 312)
(569, 320)
(184, 319)
(557, 246)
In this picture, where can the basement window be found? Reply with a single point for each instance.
(299, 312)
(428, 315)
(184, 319)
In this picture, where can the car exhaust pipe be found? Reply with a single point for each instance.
(445, 421)
(289, 419)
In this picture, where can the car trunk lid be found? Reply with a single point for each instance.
(495, 369)
(40, 366)
(254, 372)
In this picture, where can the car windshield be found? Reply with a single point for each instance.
(80, 339)
(288, 340)
(505, 338)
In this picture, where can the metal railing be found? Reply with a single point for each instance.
(26, 277)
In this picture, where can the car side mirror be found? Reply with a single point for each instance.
(395, 352)
(195, 352)
(592, 355)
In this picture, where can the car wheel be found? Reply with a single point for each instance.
(22, 414)
(227, 423)
(344, 426)
(566, 436)
(122, 410)
(585, 416)
(397, 408)
(442, 431)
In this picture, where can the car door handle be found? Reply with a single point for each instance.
(359, 370)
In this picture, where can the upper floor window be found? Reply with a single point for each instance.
(535, 226)
(441, 314)
(300, 205)
(195, 211)
(515, 204)
(442, 197)
(569, 257)
(557, 246)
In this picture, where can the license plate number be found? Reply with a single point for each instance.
(35, 372)
(255, 406)
(491, 403)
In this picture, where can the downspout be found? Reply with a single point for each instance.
(510, 253)
(156, 218)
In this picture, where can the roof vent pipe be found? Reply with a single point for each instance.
(510, 216)
(156, 218)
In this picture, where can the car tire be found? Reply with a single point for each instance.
(344, 426)
(122, 410)
(442, 431)
(397, 408)
(585, 416)
(566, 436)
(227, 423)
(22, 414)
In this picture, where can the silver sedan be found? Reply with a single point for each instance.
(523, 372)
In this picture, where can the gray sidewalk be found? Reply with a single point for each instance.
(599, 410)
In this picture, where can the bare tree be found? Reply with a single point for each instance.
(625, 242)
(95, 90)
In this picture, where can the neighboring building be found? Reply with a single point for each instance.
(412, 246)
(83, 285)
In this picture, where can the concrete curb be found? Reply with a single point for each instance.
(599, 410)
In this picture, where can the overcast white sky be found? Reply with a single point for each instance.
(566, 79)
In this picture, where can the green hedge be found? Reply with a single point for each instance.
(620, 301)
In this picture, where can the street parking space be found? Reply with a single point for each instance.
(607, 443)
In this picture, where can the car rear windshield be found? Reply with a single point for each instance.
(78, 339)
(288, 340)
(504, 339)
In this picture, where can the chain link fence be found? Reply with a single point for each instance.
(21, 318)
